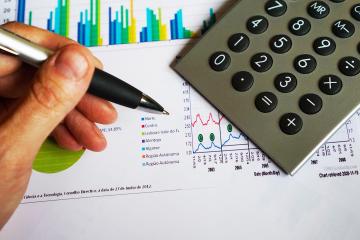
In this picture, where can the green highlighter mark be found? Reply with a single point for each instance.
(53, 159)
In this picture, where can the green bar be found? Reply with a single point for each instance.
(98, 23)
(155, 27)
(126, 32)
(30, 18)
(67, 20)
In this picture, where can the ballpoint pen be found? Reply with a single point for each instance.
(103, 84)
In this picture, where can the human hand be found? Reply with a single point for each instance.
(49, 101)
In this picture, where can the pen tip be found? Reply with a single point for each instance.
(166, 112)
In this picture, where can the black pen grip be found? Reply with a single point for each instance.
(110, 88)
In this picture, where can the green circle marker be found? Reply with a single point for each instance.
(212, 137)
(53, 159)
(201, 138)
(229, 128)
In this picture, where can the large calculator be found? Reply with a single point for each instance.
(285, 72)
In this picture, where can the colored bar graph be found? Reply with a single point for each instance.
(178, 31)
(21, 11)
(155, 30)
(122, 29)
(208, 24)
(58, 21)
(89, 27)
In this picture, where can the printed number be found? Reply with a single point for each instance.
(277, 5)
(256, 23)
(264, 60)
(304, 63)
(280, 42)
(239, 41)
(297, 26)
(220, 59)
(325, 44)
(285, 84)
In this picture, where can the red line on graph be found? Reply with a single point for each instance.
(211, 118)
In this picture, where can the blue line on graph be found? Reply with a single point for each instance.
(231, 136)
(207, 148)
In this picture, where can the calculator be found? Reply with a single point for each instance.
(285, 72)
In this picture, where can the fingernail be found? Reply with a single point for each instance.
(71, 64)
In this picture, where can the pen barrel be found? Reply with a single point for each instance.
(109, 87)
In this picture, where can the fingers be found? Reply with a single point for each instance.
(58, 86)
(97, 110)
(17, 84)
(85, 132)
(8, 65)
(65, 139)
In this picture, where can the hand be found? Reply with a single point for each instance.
(49, 101)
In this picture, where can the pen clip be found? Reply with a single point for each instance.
(5, 49)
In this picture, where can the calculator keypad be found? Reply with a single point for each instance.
(292, 60)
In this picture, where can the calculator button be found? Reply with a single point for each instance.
(324, 46)
(242, 81)
(266, 102)
(343, 28)
(318, 9)
(305, 64)
(276, 8)
(358, 47)
(257, 24)
(355, 12)
(299, 26)
(330, 84)
(285, 82)
(337, 1)
(220, 61)
(239, 42)
(349, 66)
(261, 62)
(281, 44)
(311, 104)
(291, 123)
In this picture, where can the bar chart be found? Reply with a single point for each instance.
(113, 22)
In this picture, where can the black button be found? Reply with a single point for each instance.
(299, 26)
(266, 102)
(261, 62)
(305, 64)
(280, 44)
(343, 28)
(330, 84)
(276, 8)
(242, 81)
(239, 42)
(318, 9)
(355, 12)
(220, 61)
(285, 82)
(349, 66)
(291, 123)
(311, 104)
(324, 46)
(358, 47)
(257, 24)
(337, 1)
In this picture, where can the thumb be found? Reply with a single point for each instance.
(58, 86)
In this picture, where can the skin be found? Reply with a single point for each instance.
(49, 101)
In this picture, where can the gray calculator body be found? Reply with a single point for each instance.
(289, 151)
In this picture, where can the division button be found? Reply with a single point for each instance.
(285, 82)
(355, 12)
(280, 44)
(330, 84)
(291, 123)
(349, 66)
(261, 62)
(324, 46)
(318, 9)
(305, 64)
(238, 42)
(220, 61)
(311, 104)
(276, 8)
(257, 24)
(299, 26)
(242, 81)
(343, 28)
(266, 102)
